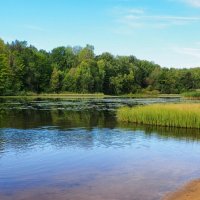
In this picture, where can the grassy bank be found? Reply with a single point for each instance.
(170, 115)
(145, 95)
(59, 95)
(94, 95)
(192, 95)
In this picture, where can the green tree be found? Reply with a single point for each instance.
(55, 81)
(69, 82)
(84, 78)
(24, 68)
(6, 79)
(86, 53)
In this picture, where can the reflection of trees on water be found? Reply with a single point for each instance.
(164, 132)
(64, 119)
(2, 144)
(25, 129)
(87, 119)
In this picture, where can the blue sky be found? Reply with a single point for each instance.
(164, 31)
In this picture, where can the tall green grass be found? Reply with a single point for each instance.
(169, 115)
(192, 95)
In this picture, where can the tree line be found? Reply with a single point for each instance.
(24, 68)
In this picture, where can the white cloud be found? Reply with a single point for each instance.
(166, 18)
(195, 3)
(194, 52)
(123, 10)
(137, 18)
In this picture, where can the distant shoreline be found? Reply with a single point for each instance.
(191, 191)
(94, 95)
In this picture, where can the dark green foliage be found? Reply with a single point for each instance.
(24, 69)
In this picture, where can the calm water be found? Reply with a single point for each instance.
(75, 150)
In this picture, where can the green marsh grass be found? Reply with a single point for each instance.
(169, 115)
(192, 95)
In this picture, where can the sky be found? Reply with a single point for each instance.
(166, 32)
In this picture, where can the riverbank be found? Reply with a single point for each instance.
(151, 95)
(93, 95)
(191, 191)
(57, 96)
(195, 95)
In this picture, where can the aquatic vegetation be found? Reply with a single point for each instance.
(192, 95)
(170, 115)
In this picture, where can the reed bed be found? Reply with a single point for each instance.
(169, 115)
(192, 95)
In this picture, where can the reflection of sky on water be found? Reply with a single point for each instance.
(85, 161)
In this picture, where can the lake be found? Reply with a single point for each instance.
(74, 149)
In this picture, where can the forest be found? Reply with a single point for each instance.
(25, 69)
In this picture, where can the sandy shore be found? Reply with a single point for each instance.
(191, 191)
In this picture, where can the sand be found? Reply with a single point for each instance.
(191, 191)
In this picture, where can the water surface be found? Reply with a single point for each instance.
(75, 150)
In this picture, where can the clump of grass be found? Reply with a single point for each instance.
(169, 115)
(192, 95)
